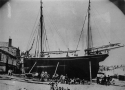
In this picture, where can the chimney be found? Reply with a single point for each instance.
(10, 42)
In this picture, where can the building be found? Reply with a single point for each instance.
(9, 57)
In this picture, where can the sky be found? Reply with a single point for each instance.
(64, 21)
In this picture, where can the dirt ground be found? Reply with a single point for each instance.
(19, 84)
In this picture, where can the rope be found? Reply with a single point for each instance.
(36, 48)
(100, 24)
(33, 31)
(81, 32)
(48, 44)
(47, 41)
(98, 31)
(46, 36)
(37, 44)
(57, 32)
(33, 35)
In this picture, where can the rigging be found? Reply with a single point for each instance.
(33, 31)
(56, 30)
(81, 32)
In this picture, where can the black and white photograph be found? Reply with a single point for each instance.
(62, 44)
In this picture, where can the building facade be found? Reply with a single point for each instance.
(9, 57)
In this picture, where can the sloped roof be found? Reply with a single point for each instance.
(7, 53)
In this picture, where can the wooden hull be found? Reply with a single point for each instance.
(77, 67)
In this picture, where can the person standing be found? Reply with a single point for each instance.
(42, 76)
(105, 80)
(108, 80)
(98, 80)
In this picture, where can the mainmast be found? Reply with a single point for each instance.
(89, 41)
(88, 33)
(41, 24)
(90, 49)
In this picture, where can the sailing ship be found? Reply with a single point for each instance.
(84, 67)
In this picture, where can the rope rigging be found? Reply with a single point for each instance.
(52, 30)
(28, 50)
(37, 45)
(81, 31)
(45, 42)
(32, 45)
(104, 48)
(45, 37)
(99, 24)
(56, 30)
(33, 31)
(97, 28)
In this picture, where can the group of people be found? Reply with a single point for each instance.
(104, 80)
(66, 80)
(44, 76)
(54, 86)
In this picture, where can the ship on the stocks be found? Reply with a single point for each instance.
(84, 67)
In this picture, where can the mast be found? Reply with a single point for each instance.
(41, 24)
(88, 33)
(89, 41)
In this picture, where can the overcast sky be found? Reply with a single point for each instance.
(18, 17)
